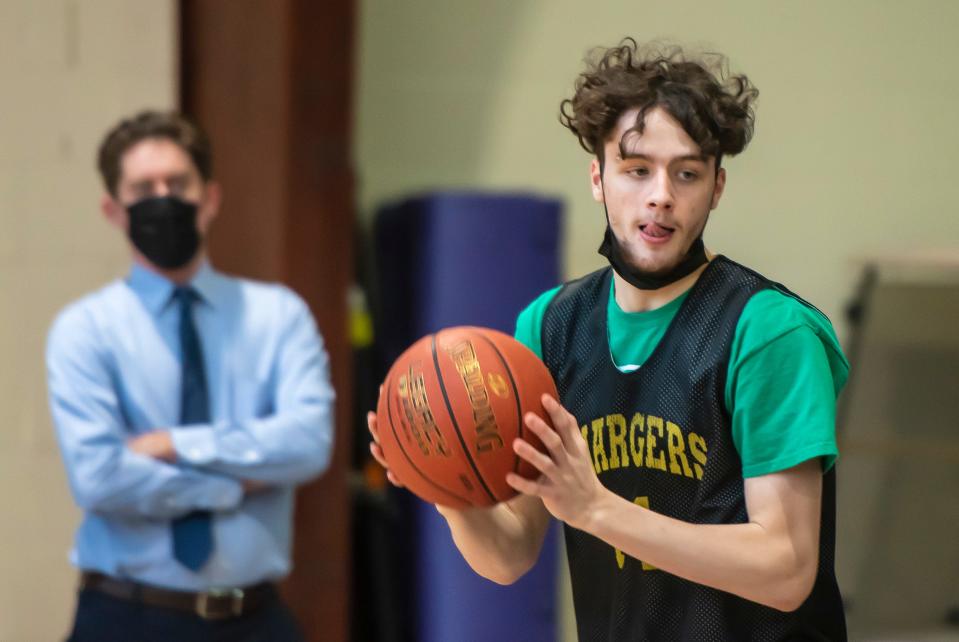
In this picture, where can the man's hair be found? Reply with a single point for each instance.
(153, 124)
(714, 108)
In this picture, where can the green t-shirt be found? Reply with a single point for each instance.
(785, 371)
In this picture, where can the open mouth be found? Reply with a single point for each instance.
(656, 233)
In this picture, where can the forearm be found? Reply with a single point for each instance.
(109, 473)
(289, 447)
(772, 559)
(125, 483)
(749, 560)
(285, 449)
(502, 542)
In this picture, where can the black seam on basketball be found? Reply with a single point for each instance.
(459, 435)
(519, 409)
(399, 442)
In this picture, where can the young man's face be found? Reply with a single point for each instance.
(659, 194)
(160, 167)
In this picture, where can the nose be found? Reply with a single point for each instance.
(160, 188)
(661, 194)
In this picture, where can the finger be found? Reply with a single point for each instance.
(371, 424)
(378, 455)
(563, 422)
(540, 461)
(523, 485)
(546, 434)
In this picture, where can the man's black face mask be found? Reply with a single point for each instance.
(163, 229)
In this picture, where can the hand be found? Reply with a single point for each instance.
(568, 484)
(377, 453)
(376, 450)
(157, 444)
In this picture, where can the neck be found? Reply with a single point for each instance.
(179, 276)
(632, 299)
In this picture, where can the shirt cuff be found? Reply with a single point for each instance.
(219, 494)
(194, 444)
(826, 450)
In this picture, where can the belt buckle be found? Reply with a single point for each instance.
(234, 595)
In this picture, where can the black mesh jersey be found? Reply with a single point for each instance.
(661, 437)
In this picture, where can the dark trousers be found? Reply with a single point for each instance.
(103, 618)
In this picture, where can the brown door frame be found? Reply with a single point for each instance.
(271, 81)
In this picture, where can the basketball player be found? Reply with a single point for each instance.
(691, 451)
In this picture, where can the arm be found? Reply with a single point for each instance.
(772, 559)
(289, 447)
(502, 542)
(105, 476)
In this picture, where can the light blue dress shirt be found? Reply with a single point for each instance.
(113, 361)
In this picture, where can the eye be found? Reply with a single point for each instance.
(177, 185)
(141, 190)
(688, 175)
(638, 171)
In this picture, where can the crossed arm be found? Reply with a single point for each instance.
(772, 559)
(147, 475)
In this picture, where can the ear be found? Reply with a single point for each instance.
(209, 205)
(115, 213)
(596, 181)
(718, 188)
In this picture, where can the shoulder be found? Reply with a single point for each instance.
(586, 283)
(530, 321)
(83, 319)
(263, 296)
(776, 317)
(537, 308)
(772, 312)
(585, 291)
(785, 371)
(268, 311)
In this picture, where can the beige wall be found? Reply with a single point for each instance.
(70, 69)
(855, 146)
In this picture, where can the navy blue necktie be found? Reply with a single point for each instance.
(192, 533)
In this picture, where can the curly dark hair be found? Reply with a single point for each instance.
(153, 124)
(714, 108)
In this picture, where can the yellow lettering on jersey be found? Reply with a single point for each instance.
(677, 450)
(620, 556)
(654, 461)
(600, 461)
(697, 448)
(650, 441)
(637, 426)
(616, 425)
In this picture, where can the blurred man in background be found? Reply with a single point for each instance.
(188, 405)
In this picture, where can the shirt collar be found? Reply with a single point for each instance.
(156, 291)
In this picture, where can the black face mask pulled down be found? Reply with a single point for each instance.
(641, 279)
(163, 229)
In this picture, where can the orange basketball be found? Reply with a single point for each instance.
(450, 408)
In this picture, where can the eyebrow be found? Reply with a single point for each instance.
(702, 158)
(146, 182)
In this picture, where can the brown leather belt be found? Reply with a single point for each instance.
(215, 604)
